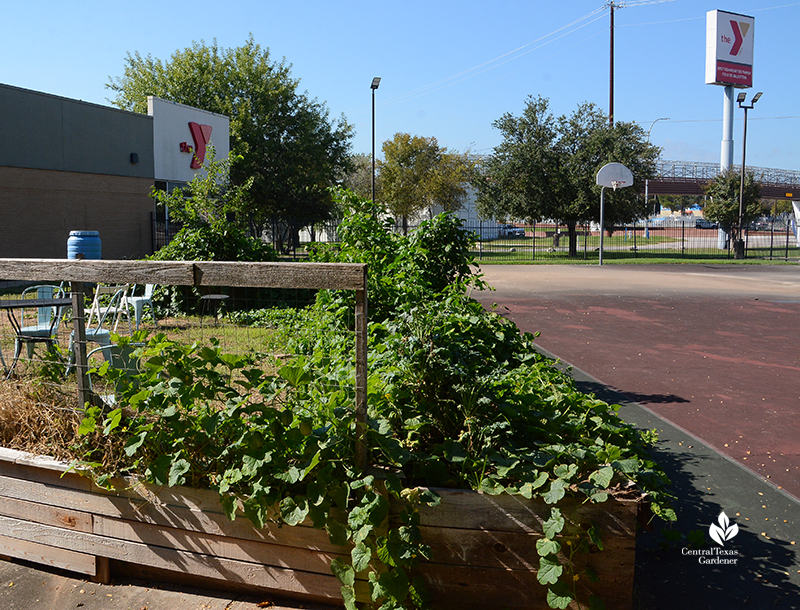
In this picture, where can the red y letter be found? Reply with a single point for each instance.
(201, 135)
(738, 39)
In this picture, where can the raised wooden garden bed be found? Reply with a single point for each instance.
(484, 547)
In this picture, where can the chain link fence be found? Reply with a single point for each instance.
(55, 336)
(672, 238)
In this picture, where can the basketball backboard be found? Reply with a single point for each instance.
(614, 175)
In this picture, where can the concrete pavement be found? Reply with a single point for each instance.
(708, 356)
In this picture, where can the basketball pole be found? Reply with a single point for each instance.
(602, 217)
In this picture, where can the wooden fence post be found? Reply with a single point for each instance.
(79, 343)
(362, 459)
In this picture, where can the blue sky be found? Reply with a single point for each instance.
(449, 69)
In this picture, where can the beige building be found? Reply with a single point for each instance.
(67, 165)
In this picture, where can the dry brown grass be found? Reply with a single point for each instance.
(37, 417)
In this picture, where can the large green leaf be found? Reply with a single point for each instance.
(295, 375)
(559, 596)
(545, 546)
(294, 510)
(361, 555)
(177, 469)
(556, 493)
(553, 526)
(602, 477)
(550, 570)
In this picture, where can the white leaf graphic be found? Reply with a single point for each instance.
(724, 531)
(717, 534)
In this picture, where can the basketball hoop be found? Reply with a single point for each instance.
(611, 175)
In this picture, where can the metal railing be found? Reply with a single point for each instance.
(665, 238)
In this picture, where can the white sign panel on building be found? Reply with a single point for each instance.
(729, 49)
(182, 136)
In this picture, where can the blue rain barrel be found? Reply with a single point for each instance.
(84, 242)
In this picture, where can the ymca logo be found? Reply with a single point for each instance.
(739, 30)
(201, 134)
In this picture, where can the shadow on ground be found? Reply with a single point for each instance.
(706, 483)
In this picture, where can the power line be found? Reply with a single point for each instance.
(396, 101)
(486, 65)
(760, 118)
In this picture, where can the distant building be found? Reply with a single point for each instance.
(468, 212)
(68, 165)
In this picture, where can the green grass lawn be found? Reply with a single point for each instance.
(620, 248)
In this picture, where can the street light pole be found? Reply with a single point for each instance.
(738, 246)
(647, 181)
(374, 86)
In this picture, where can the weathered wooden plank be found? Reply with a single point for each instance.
(48, 555)
(345, 276)
(469, 510)
(41, 462)
(107, 271)
(49, 476)
(469, 588)
(203, 521)
(297, 557)
(514, 550)
(259, 575)
(483, 546)
(10, 455)
(44, 513)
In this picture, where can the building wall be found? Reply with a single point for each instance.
(40, 208)
(66, 165)
(42, 131)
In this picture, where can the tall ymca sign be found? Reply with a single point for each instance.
(729, 49)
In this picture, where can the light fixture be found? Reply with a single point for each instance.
(738, 244)
(375, 83)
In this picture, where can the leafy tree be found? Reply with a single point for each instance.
(416, 173)
(679, 203)
(546, 167)
(203, 208)
(358, 178)
(782, 206)
(674, 203)
(723, 206)
(284, 141)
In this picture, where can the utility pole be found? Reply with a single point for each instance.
(611, 71)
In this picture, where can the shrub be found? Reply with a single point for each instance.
(400, 269)
(457, 397)
(218, 242)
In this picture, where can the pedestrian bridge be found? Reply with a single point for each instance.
(691, 177)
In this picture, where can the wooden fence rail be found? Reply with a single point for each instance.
(337, 276)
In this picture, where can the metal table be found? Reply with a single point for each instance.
(11, 305)
(211, 300)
